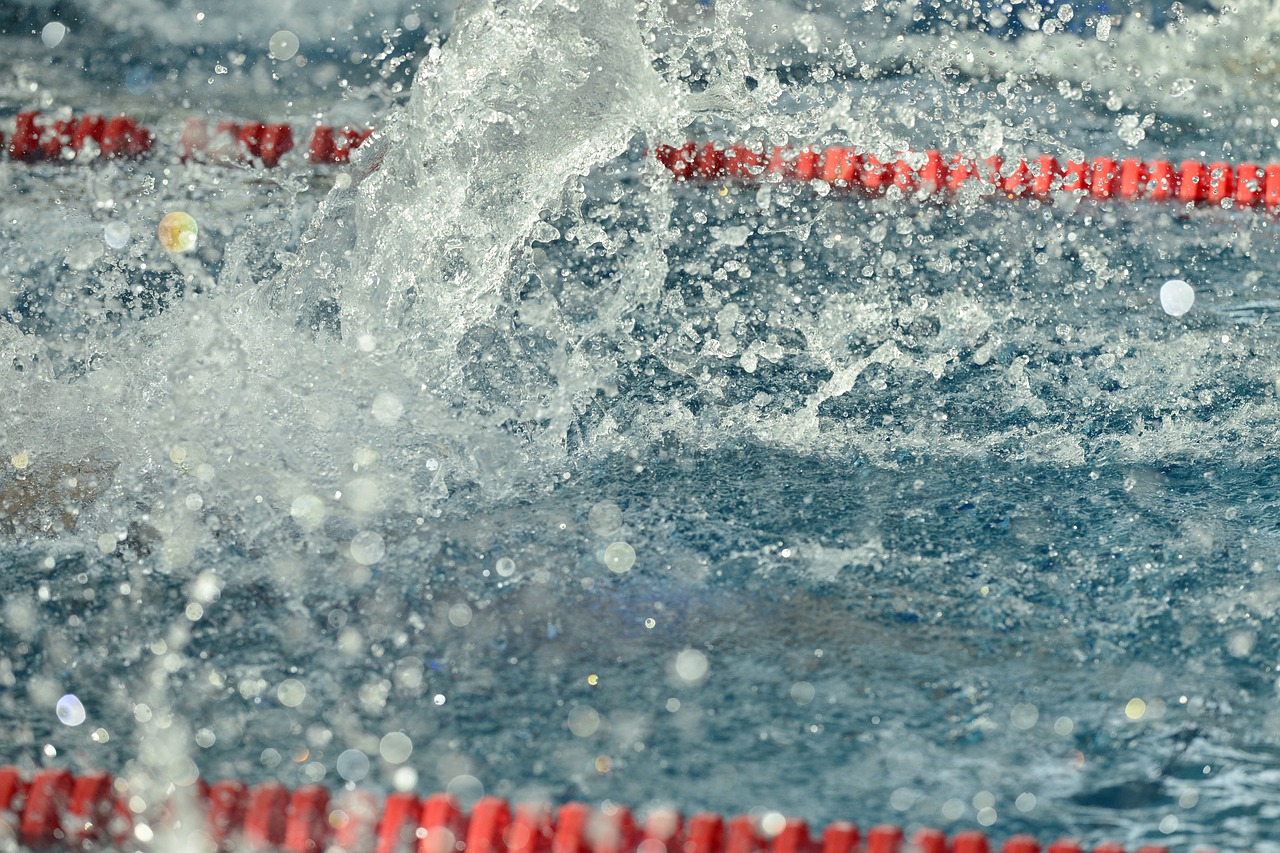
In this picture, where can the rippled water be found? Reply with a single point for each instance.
(597, 486)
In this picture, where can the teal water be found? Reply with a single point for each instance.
(590, 486)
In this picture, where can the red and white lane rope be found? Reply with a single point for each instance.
(934, 173)
(36, 138)
(79, 139)
(56, 810)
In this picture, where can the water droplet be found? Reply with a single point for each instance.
(584, 721)
(53, 33)
(395, 747)
(367, 548)
(70, 710)
(1024, 715)
(178, 232)
(283, 45)
(604, 518)
(404, 779)
(353, 765)
(116, 234)
(691, 666)
(1176, 297)
(291, 692)
(460, 615)
(772, 823)
(387, 408)
(802, 692)
(138, 79)
(308, 511)
(619, 557)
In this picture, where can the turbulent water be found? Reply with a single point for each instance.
(500, 463)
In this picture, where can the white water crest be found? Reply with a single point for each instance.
(523, 100)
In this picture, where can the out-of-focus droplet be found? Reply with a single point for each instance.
(460, 615)
(70, 710)
(178, 232)
(53, 33)
(387, 408)
(116, 234)
(395, 747)
(138, 79)
(283, 45)
(583, 721)
(291, 692)
(367, 548)
(802, 692)
(619, 558)
(604, 518)
(691, 666)
(352, 765)
(1176, 297)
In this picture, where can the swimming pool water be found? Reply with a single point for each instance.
(589, 485)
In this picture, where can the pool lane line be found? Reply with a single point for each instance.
(935, 174)
(923, 174)
(90, 136)
(56, 810)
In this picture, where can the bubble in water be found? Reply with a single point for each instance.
(178, 232)
(283, 45)
(619, 557)
(116, 234)
(53, 33)
(1176, 297)
(506, 567)
(70, 710)
(367, 548)
(353, 765)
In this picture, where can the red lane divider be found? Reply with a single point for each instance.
(55, 810)
(37, 138)
(119, 137)
(932, 173)
(927, 173)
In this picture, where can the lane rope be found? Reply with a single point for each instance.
(36, 138)
(57, 810)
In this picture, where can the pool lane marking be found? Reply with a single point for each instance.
(922, 174)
